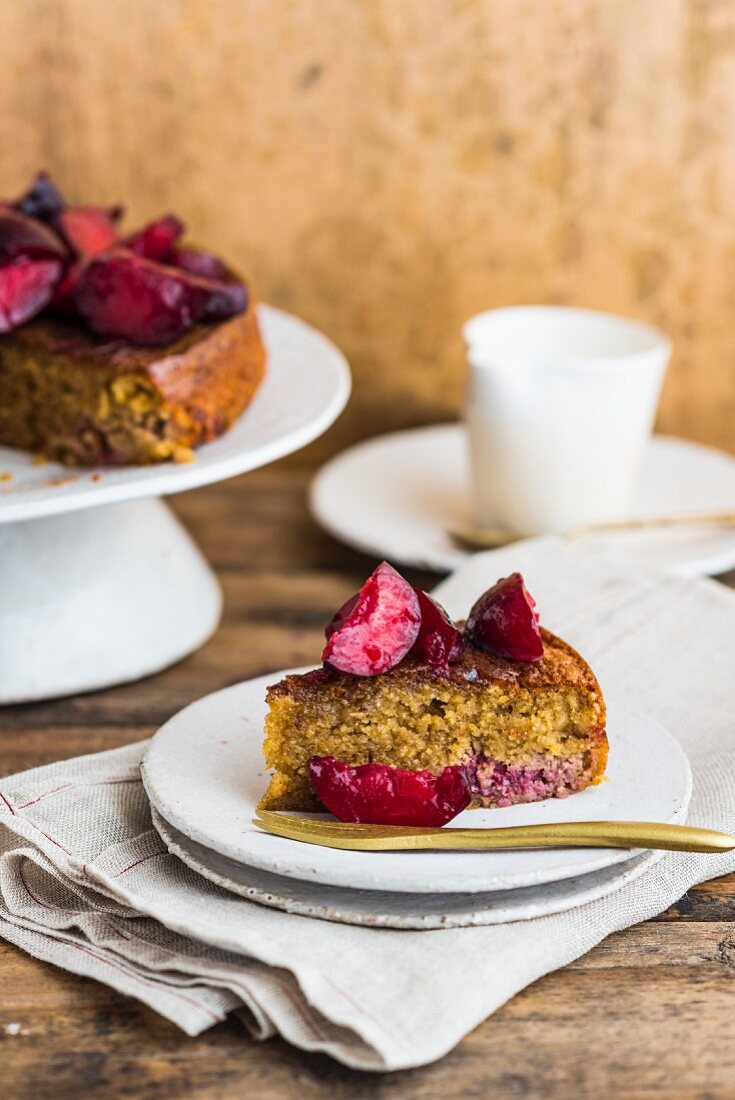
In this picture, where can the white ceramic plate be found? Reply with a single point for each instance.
(204, 773)
(306, 386)
(394, 497)
(380, 909)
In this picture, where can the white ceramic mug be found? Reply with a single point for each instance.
(560, 407)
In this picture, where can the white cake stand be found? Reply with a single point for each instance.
(99, 583)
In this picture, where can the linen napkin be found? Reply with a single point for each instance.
(86, 883)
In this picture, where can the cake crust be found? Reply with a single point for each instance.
(560, 667)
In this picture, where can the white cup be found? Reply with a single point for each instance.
(560, 407)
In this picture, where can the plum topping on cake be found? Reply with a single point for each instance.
(116, 295)
(379, 630)
(439, 643)
(22, 236)
(31, 262)
(340, 617)
(370, 632)
(224, 300)
(26, 286)
(504, 621)
(42, 200)
(120, 294)
(199, 263)
(377, 794)
(156, 240)
(87, 230)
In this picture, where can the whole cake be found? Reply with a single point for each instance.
(115, 349)
(412, 719)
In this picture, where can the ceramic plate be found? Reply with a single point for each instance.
(394, 497)
(305, 388)
(380, 909)
(204, 773)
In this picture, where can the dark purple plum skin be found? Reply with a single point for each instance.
(503, 621)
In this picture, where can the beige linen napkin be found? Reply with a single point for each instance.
(86, 884)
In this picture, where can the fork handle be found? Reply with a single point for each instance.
(587, 834)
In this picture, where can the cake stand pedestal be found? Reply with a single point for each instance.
(99, 597)
(99, 583)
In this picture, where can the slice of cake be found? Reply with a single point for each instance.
(406, 703)
(115, 349)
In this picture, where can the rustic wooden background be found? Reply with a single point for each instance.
(385, 168)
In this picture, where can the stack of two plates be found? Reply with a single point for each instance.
(204, 774)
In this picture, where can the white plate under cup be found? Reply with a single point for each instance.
(560, 406)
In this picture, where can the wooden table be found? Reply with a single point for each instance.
(649, 1013)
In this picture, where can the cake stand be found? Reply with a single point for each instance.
(99, 583)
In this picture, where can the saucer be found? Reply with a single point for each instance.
(394, 497)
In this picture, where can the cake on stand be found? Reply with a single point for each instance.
(99, 582)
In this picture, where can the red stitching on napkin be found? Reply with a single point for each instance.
(54, 790)
(131, 973)
(110, 924)
(29, 891)
(360, 1008)
(7, 803)
(146, 981)
(68, 786)
(56, 842)
(136, 862)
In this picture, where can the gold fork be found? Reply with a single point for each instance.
(571, 834)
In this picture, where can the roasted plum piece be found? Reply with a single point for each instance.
(145, 289)
(88, 230)
(26, 287)
(147, 303)
(196, 262)
(42, 200)
(504, 621)
(156, 240)
(378, 794)
(379, 630)
(439, 642)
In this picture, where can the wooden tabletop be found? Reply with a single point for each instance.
(648, 1013)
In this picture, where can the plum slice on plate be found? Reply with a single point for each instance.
(378, 794)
